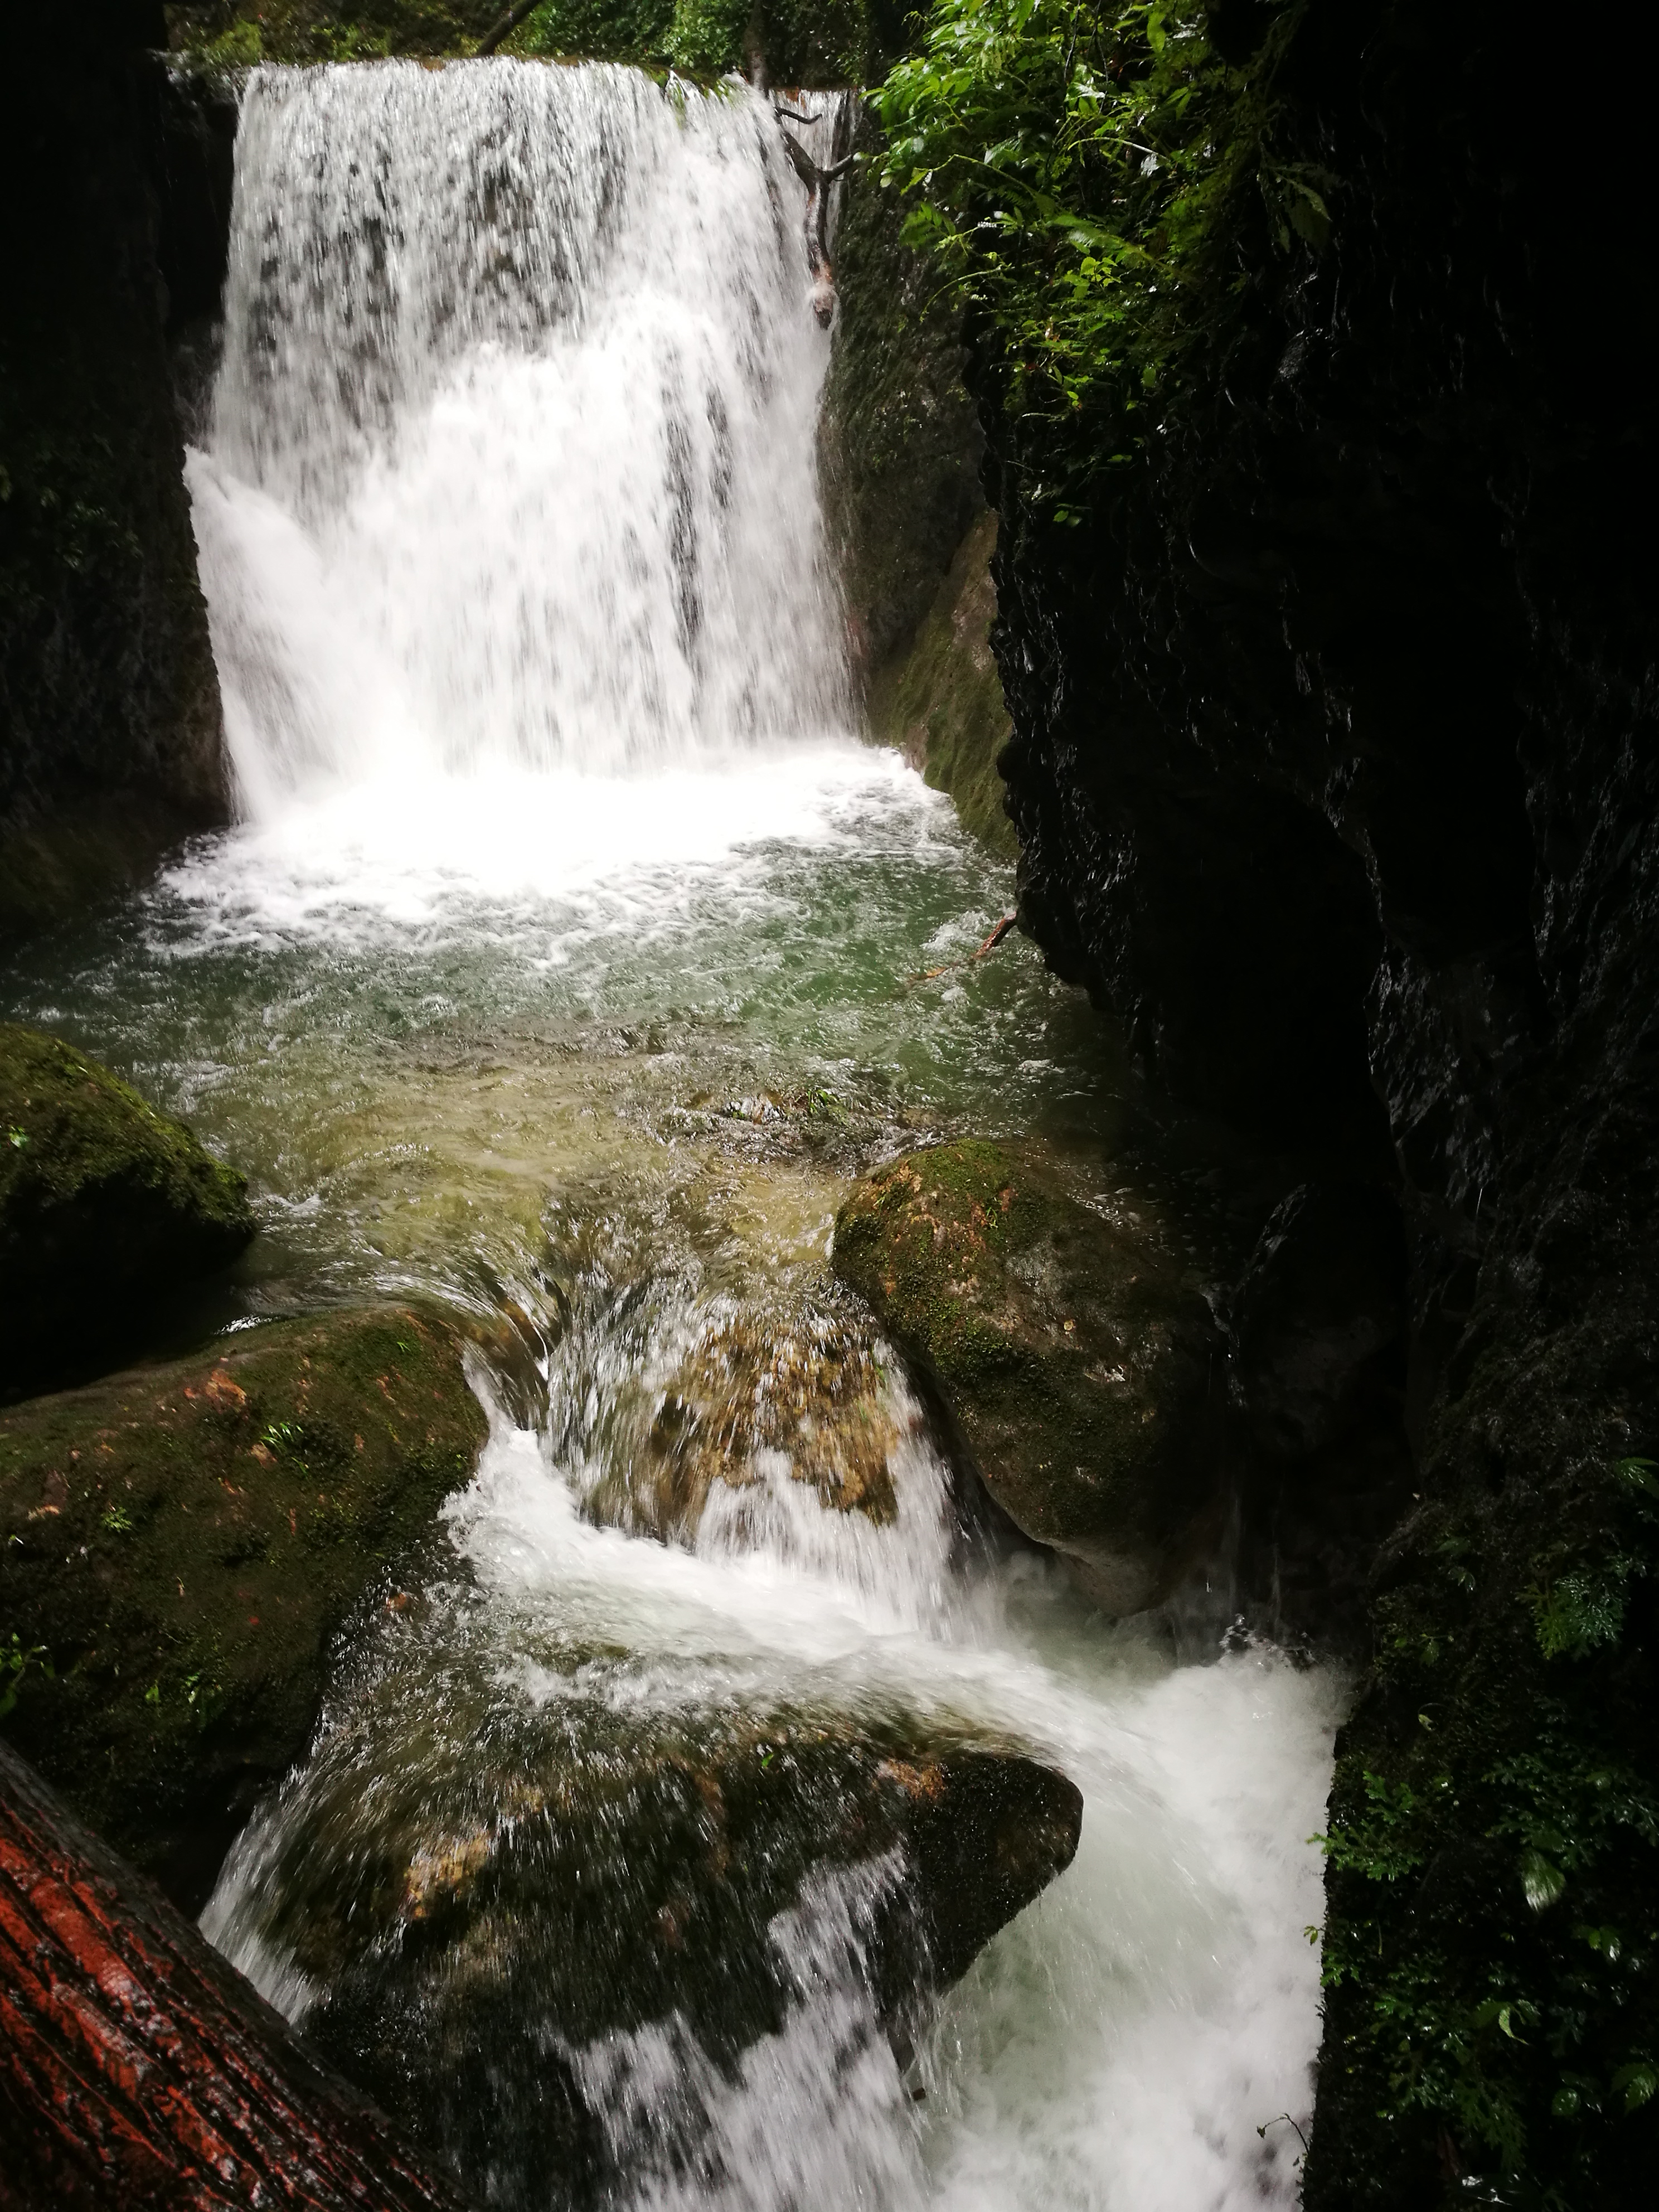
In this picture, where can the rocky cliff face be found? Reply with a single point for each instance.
(1334, 770)
(110, 699)
(900, 454)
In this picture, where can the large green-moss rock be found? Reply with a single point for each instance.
(106, 1206)
(180, 1544)
(1081, 1364)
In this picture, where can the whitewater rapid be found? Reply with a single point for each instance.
(536, 693)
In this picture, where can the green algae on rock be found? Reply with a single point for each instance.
(1078, 1362)
(105, 1205)
(182, 1544)
(942, 706)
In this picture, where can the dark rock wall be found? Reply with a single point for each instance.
(900, 453)
(899, 442)
(107, 689)
(1334, 767)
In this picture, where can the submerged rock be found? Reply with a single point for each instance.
(804, 1389)
(1083, 1367)
(106, 1206)
(514, 1913)
(179, 1546)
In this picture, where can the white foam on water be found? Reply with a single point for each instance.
(512, 458)
(511, 539)
(1120, 2044)
(573, 851)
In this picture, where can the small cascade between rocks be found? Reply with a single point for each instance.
(681, 1827)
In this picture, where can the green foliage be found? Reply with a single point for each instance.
(617, 30)
(707, 35)
(1085, 175)
(15, 1662)
(1492, 1943)
(235, 34)
(805, 41)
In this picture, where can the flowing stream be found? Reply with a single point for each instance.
(570, 955)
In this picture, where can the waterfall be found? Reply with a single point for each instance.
(511, 462)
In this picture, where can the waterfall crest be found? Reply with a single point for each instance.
(511, 463)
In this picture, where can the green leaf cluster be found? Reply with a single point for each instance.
(1491, 1950)
(1089, 176)
(16, 1660)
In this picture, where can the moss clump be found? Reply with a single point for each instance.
(1078, 1361)
(182, 1544)
(943, 706)
(106, 1205)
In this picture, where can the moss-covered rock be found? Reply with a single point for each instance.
(106, 1206)
(941, 704)
(182, 1543)
(1080, 1362)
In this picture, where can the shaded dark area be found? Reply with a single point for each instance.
(1335, 769)
(107, 687)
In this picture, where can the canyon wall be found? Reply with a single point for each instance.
(1334, 773)
(108, 688)
(901, 455)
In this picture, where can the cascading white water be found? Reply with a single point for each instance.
(512, 544)
(511, 459)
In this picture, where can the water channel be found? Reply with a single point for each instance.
(569, 957)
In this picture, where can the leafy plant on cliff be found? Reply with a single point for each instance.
(805, 41)
(1491, 1954)
(1084, 174)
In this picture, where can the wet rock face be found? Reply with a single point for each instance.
(107, 1207)
(941, 704)
(179, 1546)
(522, 1923)
(1336, 777)
(1318, 1330)
(810, 1397)
(899, 442)
(1082, 1368)
(107, 687)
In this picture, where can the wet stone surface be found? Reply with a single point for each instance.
(1075, 1352)
(504, 1914)
(180, 1544)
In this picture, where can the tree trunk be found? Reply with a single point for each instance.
(138, 2069)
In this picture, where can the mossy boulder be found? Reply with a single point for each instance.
(180, 1544)
(1077, 1355)
(485, 1900)
(106, 1206)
